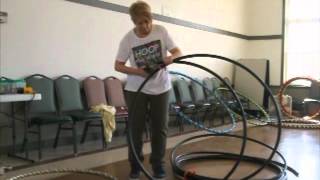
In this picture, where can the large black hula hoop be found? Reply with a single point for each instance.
(178, 161)
(178, 60)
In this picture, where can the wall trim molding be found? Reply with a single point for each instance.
(176, 21)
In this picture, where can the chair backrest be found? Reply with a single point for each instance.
(45, 86)
(208, 87)
(4, 78)
(183, 90)
(208, 84)
(114, 92)
(215, 82)
(197, 91)
(227, 95)
(68, 93)
(94, 91)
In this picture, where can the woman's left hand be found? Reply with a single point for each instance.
(175, 52)
(168, 60)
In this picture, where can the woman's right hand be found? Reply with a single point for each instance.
(142, 72)
(121, 67)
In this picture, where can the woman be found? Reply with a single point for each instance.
(146, 47)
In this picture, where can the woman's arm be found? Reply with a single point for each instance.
(121, 67)
(175, 52)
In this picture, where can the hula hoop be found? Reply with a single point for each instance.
(280, 96)
(54, 171)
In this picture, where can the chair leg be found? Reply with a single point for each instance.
(180, 123)
(57, 137)
(24, 143)
(25, 146)
(74, 134)
(213, 114)
(222, 118)
(205, 115)
(195, 118)
(104, 144)
(175, 121)
(39, 142)
(84, 133)
(126, 126)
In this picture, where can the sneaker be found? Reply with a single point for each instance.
(158, 172)
(134, 174)
(154, 178)
(130, 178)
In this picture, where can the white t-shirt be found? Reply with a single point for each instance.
(147, 51)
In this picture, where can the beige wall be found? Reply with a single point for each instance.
(55, 37)
(271, 50)
(224, 14)
(264, 17)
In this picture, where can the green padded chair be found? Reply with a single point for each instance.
(211, 84)
(174, 108)
(70, 103)
(184, 97)
(202, 105)
(231, 100)
(43, 112)
(209, 88)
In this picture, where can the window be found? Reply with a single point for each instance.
(302, 39)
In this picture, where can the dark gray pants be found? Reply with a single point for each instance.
(153, 108)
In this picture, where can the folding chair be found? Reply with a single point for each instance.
(70, 103)
(174, 108)
(210, 86)
(115, 96)
(202, 105)
(44, 112)
(95, 95)
(184, 97)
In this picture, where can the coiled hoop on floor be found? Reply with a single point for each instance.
(54, 171)
(297, 122)
(178, 161)
(282, 90)
(240, 157)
